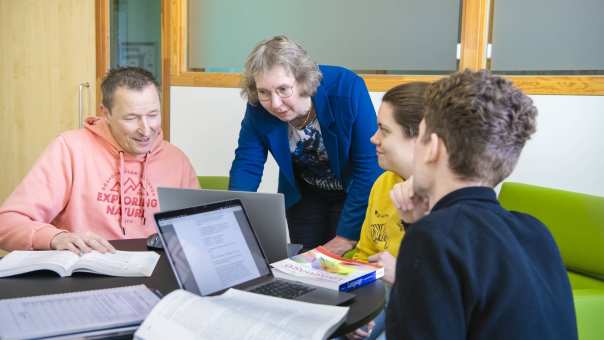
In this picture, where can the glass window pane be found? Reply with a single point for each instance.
(135, 39)
(548, 36)
(387, 36)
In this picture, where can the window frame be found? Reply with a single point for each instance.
(475, 23)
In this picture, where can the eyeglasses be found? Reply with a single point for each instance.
(281, 91)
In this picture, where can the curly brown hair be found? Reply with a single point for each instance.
(484, 122)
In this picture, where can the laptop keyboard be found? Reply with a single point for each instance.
(282, 289)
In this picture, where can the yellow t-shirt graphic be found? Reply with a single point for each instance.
(382, 229)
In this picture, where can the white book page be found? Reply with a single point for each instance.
(22, 261)
(120, 263)
(56, 314)
(238, 315)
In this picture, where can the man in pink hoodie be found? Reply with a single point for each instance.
(99, 183)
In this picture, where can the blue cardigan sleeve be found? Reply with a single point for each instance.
(250, 156)
(363, 168)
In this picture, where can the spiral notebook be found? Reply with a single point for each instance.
(98, 312)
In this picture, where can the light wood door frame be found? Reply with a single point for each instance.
(102, 46)
(103, 55)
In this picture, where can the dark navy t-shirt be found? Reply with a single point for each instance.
(473, 270)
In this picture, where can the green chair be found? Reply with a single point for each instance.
(589, 306)
(214, 182)
(576, 221)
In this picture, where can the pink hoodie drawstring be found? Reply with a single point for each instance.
(144, 181)
(121, 179)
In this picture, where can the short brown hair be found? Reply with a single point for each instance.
(407, 102)
(131, 77)
(282, 51)
(484, 122)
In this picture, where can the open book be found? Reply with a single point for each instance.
(65, 262)
(238, 315)
(320, 267)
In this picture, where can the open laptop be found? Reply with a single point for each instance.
(213, 247)
(265, 210)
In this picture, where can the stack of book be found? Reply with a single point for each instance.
(320, 267)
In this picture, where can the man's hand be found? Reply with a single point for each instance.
(361, 333)
(386, 260)
(410, 206)
(339, 245)
(81, 243)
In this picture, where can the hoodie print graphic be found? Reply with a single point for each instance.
(139, 196)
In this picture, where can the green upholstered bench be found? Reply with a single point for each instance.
(576, 221)
(214, 182)
(589, 306)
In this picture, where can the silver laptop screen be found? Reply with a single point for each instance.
(212, 250)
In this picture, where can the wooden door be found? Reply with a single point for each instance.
(47, 49)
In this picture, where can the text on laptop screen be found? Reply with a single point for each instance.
(213, 250)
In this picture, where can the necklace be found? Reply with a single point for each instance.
(306, 120)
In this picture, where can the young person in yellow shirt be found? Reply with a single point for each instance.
(398, 124)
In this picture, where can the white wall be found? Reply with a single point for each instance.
(566, 152)
(204, 123)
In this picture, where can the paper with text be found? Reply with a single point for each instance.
(59, 314)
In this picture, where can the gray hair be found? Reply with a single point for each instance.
(130, 77)
(281, 51)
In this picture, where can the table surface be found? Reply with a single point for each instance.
(367, 304)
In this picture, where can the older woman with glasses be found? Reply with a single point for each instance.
(316, 121)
